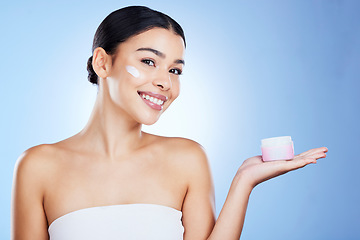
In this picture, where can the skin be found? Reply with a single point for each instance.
(112, 157)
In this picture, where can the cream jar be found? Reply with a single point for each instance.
(277, 148)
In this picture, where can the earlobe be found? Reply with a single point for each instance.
(101, 62)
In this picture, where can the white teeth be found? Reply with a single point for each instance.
(152, 99)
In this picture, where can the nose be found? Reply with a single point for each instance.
(162, 80)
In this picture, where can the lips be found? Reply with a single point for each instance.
(153, 100)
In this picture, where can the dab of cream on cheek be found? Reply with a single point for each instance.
(133, 71)
(277, 148)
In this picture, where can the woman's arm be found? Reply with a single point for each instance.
(231, 218)
(199, 204)
(28, 219)
(252, 172)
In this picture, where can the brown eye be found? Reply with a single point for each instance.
(176, 71)
(148, 62)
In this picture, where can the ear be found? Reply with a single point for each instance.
(102, 62)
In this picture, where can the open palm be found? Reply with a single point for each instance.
(257, 171)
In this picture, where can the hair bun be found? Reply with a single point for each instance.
(92, 77)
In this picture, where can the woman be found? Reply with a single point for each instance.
(113, 181)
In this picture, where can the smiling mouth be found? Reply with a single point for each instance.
(155, 101)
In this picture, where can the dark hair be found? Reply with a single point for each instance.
(124, 23)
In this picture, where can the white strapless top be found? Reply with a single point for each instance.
(125, 221)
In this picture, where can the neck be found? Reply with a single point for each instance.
(110, 131)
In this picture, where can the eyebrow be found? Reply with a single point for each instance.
(160, 54)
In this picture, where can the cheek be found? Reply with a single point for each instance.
(137, 76)
(133, 71)
(176, 88)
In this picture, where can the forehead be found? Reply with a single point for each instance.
(161, 39)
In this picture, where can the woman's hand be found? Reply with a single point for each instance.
(252, 172)
(255, 171)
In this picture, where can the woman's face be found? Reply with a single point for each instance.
(144, 78)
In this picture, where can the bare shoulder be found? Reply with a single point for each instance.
(36, 155)
(187, 152)
(35, 161)
(182, 144)
(178, 146)
(31, 174)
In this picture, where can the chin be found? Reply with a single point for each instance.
(148, 116)
(149, 120)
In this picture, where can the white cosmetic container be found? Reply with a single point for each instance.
(277, 148)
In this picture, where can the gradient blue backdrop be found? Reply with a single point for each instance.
(254, 69)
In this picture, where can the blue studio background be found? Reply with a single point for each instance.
(254, 69)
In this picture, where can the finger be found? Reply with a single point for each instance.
(312, 151)
(320, 150)
(305, 153)
(316, 155)
(299, 163)
(312, 157)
